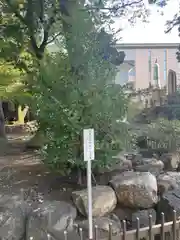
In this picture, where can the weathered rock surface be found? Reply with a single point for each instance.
(150, 165)
(124, 213)
(53, 217)
(13, 213)
(103, 226)
(168, 181)
(103, 200)
(143, 216)
(10, 202)
(169, 201)
(12, 223)
(135, 189)
(170, 160)
(130, 215)
(136, 158)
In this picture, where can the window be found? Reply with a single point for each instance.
(149, 59)
(165, 65)
(149, 63)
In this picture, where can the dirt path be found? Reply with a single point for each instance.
(24, 170)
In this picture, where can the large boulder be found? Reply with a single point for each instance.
(169, 201)
(135, 189)
(53, 217)
(168, 181)
(12, 223)
(13, 214)
(103, 200)
(170, 160)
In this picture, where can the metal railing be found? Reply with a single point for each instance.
(164, 230)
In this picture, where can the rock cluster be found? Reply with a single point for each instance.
(138, 188)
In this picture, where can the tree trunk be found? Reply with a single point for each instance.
(3, 139)
(2, 123)
(22, 113)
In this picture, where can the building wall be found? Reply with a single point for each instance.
(140, 54)
(142, 65)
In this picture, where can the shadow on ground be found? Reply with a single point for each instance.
(21, 169)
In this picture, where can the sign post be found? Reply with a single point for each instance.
(88, 136)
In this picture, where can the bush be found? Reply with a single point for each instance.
(67, 104)
(164, 134)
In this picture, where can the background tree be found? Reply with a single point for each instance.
(27, 27)
(11, 87)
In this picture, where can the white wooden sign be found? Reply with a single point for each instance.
(88, 136)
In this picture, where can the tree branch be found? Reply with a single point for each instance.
(39, 51)
(25, 22)
(16, 12)
(41, 17)
(171, 24)
(54, 38)
(113, 8)
(47, 30)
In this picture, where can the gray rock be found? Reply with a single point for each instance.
(150, 165)
(102, 224)
(9, 201)
(61, 235)
(124, 213)
(135, 189)
(143, 216)
(170, 160)
(50, 217)
(169, 201)
(168, 181)
(136, 158)
(103, 200)
(13, 220)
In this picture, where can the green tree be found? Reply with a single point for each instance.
(27, 27)
(67, 104)
(31, 25)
